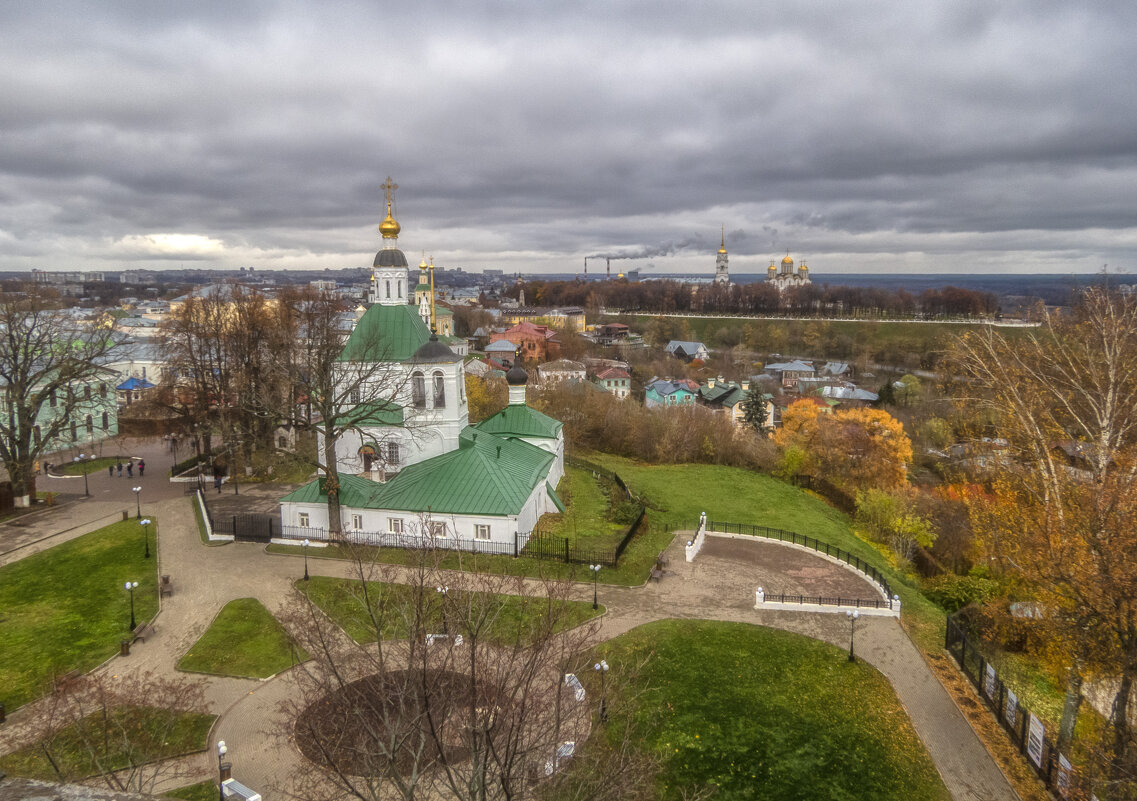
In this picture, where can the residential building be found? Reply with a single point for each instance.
(688, 351)
(666, 392)
(565, 318)
(788, 373)
(535, 343)
(560, 371)
(615, 380)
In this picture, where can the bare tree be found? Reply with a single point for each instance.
(52, 377)
(121, 730)
(341, 392)
(451, 694)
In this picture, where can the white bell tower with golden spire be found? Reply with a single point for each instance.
(722, 272)
(389, 272)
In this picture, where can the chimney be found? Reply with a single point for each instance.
(499, 451)
(609, 269)
(745, 386)
(710, 383)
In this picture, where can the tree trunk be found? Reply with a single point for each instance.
(1070, 708)
(1121, 732)
(332, 487)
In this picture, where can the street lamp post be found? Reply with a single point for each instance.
(442, 591)
(602, 668)
(595, 576)
(853, 616)
(146, 536)
(130, 587)
(305, 560)
(138, 501)
(233, 463)
(81, 458)
(221, 752)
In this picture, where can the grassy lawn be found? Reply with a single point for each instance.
(243, 640)
(587, 504)
(202, 791)
(65, 608)
(342, 601)
(90, 465)
(74, 759)
(763, 714)
(732, 494)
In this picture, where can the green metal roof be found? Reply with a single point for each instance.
(375, 413)
(520, 420)
(487, 475)
(354, 491)
(386, 334)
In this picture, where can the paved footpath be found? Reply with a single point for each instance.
(206, 578)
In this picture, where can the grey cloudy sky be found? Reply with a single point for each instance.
(952, 136)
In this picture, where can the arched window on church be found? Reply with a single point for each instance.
(399, 284)
(418, 390)
(439, 390)
(388, 283)
(367, 454)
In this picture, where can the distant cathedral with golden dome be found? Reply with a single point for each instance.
(786, 276)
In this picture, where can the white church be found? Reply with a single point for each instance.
(412, 470)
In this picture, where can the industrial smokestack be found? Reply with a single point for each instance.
(585, 266)
(609, 269)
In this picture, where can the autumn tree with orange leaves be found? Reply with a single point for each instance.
(852, 448)
(1062, 513)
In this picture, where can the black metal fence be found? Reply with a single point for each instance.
(248, 527)
(822, 600)
(781, 534)
(1026, 730)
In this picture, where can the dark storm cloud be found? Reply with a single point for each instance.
(867, 136)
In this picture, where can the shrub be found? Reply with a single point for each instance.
(954, 592)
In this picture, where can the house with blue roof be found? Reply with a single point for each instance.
(687, 351)
(412, 471)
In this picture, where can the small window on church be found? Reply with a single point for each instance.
(355, 395)
(395, 525)
(302, 520)
(399, 284)
(481, 532)
(392, 453)
(388, 289)
(357, 522)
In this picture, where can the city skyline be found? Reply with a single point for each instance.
(923, 137)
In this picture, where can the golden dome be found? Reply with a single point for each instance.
(787, 260)
(389, 228)
(803, 268)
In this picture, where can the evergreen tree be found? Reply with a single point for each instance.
(754, 410)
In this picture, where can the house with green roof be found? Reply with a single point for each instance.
(411, 468)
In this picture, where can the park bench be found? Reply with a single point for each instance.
(660, 568)
(166, 587)
(142, 631)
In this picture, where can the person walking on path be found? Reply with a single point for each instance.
(110, 470)
(120, 468)
(141, 467)
(130, 468)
